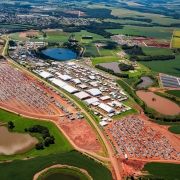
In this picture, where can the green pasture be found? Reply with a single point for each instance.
(156, 51)
(174, 129)
(90, 50)
(104, 60)
(15, 36)
(105, 52)
(171, 67)
(26, 169)
(166, 171)
(96, 37)
(20, 123)
(149, 32)
(174, 93)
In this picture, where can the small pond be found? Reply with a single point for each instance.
(59, 176)
(160, 104)
(60, 54)
(147, 81)
(15, 143)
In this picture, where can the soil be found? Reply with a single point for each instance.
(81, 133)
(23, 34)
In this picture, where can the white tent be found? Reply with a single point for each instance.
(106, 108)
(91, 100)
(82, 95)
(94, 92)
(46, 75)
(103, 123)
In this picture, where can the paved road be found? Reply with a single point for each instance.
(110, 150)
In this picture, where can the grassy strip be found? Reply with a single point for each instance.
(174, 129)
(174, 93)
(75, 172)
(162, 170)
(30, 167)
(132, 111)
(20, 123)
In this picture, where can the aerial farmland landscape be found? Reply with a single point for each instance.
(90, 90)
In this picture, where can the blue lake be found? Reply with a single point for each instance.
(60, 54)
(59, 176)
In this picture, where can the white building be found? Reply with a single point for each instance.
(91, 100)
(94, 92)
(82, 95)
(106, 108)
(46, 75)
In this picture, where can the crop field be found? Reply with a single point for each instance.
(150, 32)
(170, 67)
(91, 50)
(156, 51)
(174, 129)
(105, 52)
(20, 123)
(96, 37)
(15, 36)
(34, 165)
(104, 60)
(162, 170)
(174, 93)
(176, 42)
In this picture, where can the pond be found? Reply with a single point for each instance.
(58, 176)
(15, 143)
(60, 54)
(147, 81)
(160, 104)
(112, 65)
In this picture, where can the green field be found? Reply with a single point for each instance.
(162, 170)
(25, 169)
(105, 52)
(150, 32)
(174, 129)
(174, 93)
(171, 67)
(104, 60)
(61, 143)
(156, 51)
(96, 37)
(90, 50)
(15, 36)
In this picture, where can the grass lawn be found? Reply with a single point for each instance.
(171, 67)
(105, 52)
(156, 51)
(163, 170)
(26, 169)
(150, 32)
(104, 60)
(174, 129)
(61, 143)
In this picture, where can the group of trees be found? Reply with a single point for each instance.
(110, 71)
(152, 58)
(10, 125)
(136, 54)
(125, 67)
(44, 131)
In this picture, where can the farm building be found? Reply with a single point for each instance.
(83, 86)
(94, 92)
(106, 108)
(46, 75)
(82, 95)
(91, 100)
(65, 77)
(76, 81)
(104, 98)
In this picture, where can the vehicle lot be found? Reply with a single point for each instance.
(134, 137)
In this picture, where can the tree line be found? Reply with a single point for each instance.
(125, 67)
